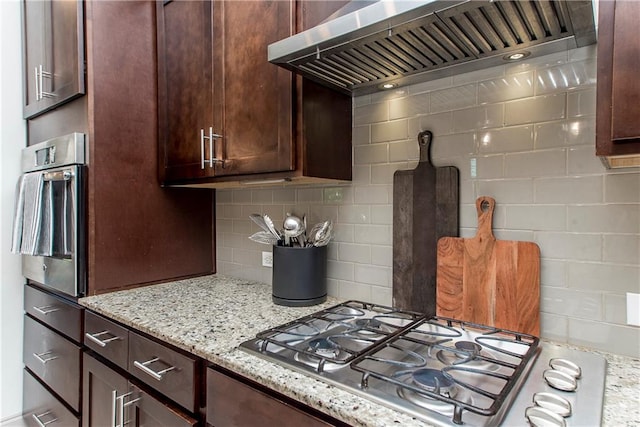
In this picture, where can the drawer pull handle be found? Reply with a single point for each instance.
(45, 357)
(39, 421)
(118, 405)
(47, 309)
(101, 343)
(143, 366)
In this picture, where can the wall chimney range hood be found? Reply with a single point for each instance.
(409, 41)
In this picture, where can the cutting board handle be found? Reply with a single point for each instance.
(424, 143)
(484, 207)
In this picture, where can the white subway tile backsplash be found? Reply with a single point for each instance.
(615, 308)
(559, 245)
(570, 132)
(400, 108)
(536, 217)
(618, 218)
(538, 109)
(437, 123)
(505, 88)
(565, 77)
(605, 336)
(368, 154)
(592, 276)
(380, 276)
(453, 98)
(482, 117)
(349, 252)
(390, 131)
(622, 188)
(505, 140)
(582, 104)
(571, 302)
(564, 190)
(456, 145)
(621, 248)
(538, 163)
(372, 234)
(507, 191)
(370, 113)
(582, 160)
(361, 135)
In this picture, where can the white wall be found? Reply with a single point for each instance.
(12, 140)
(522, 133)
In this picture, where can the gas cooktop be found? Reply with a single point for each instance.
(439, 370)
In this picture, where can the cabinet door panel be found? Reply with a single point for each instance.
(55, 360)
(253, 102)
(40, 406)
(232, 403)
(150, 412)
(102, 387)
(185, 90)
(54, 53)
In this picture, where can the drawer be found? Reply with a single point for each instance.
(166, 370)
(41, 408)
(54, 359)
(106, 338)
(59, 314)
(231, 403)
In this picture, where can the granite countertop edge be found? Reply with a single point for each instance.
(210, 316)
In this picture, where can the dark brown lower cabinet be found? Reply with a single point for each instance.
(40, 407)
(232, 402)
(109, 399)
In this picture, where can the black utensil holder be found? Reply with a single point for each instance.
(299, 275)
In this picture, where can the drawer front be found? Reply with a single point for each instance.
(61, 315)
(106, 338)
(164, 369)
(54, 359)
(41, 408)
(153, 413)
(231, 403)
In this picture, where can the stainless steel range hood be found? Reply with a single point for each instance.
(404, 42)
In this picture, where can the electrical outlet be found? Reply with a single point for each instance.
(633, 309)
(267, 259)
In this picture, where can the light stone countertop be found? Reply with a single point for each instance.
(210, 316)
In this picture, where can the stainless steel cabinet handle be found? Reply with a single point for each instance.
(37, 78)
(211, 137)
(45, 357)
(144, 367)
(39, 421)
(47, 309)
(48, 75)
(101, 343)
(125, 405)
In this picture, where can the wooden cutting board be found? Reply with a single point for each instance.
(425, 208)
(488, 281)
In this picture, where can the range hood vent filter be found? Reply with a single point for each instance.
(405, 42)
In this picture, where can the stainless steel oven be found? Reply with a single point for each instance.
(50, 214)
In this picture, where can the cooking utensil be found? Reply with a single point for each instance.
(488, 281)
(324, 234)
(264, 237)
(425, 208)
(293, 228)
(259, 220)
(271, 227)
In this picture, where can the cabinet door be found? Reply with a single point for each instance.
(150, 412)
(103, 391)
(252, 98)
(53, 32)
(185, 92)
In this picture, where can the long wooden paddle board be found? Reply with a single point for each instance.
(488, 281)
(425, 208)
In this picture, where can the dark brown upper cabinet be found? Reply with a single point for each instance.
(226, 115)
(618, 87)
(53, 53)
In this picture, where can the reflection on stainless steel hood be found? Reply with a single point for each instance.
(403, 42)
